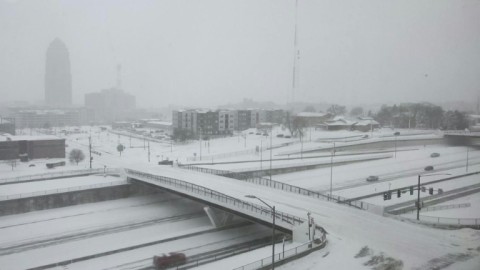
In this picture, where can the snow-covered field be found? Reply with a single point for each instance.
(349, 230)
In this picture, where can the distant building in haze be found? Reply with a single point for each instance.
(58, 79)
(110, 105)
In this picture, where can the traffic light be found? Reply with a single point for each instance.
(424, 189)
(440, 191)
(399, 193)
(387, 195)
(430, 191)
(411, 190)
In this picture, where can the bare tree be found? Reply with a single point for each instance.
(120, 148)
(76, 155)
(336, 109)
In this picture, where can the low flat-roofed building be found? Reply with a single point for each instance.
(11, 147)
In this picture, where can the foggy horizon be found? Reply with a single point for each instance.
(209, 53)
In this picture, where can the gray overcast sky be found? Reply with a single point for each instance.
(208, 52)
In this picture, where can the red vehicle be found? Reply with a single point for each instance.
(170, 260)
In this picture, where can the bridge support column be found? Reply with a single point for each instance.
(309, 231)
(218, 217)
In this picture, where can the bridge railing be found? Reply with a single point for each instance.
(289, 188)
(215, 195)
(261, 181)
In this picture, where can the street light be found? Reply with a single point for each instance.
(273, 226)
(467, 160)
(418, 190)
(395, 144)
(331, 168)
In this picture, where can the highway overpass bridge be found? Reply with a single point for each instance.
(460, 137)
(226, 194)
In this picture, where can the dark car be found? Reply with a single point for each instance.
(171, 260)
(372, 178)
(396, 133)
(429, 168)
(258, 133)
(165, 162)
(279, 135)
(435, 155)
(288, 136)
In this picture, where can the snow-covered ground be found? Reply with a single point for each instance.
(349, 230)
(346, 226)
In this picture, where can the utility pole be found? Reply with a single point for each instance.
(467, 158)
(90, 149)
(148, 151)
(200, 139)
(271, 132)
(418, 198)
(261, 155)
(301, 143)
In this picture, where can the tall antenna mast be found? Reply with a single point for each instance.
(478, 105)
(296, 55)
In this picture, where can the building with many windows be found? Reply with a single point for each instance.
(58, 79)
(193, 122)
(7, 125)
(46, 118)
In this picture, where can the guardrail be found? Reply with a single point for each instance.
(281, 256)
(223, 155)
(461, 132)
(259, 181)
(61, 190)
(434, 208)
(215, 195)
(440, 221)
(66, 173)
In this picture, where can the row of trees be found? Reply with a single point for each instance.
(420, 115)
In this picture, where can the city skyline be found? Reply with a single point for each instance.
(193, 59)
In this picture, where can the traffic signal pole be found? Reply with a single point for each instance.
(418, 198)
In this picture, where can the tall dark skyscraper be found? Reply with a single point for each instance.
(58, 80)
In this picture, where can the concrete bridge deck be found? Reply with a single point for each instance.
(220, 192)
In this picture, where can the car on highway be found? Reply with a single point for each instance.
(165, 162)
(169, 260)
(396, 133)
(434, 155)
(429, 168)
(372, 178)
